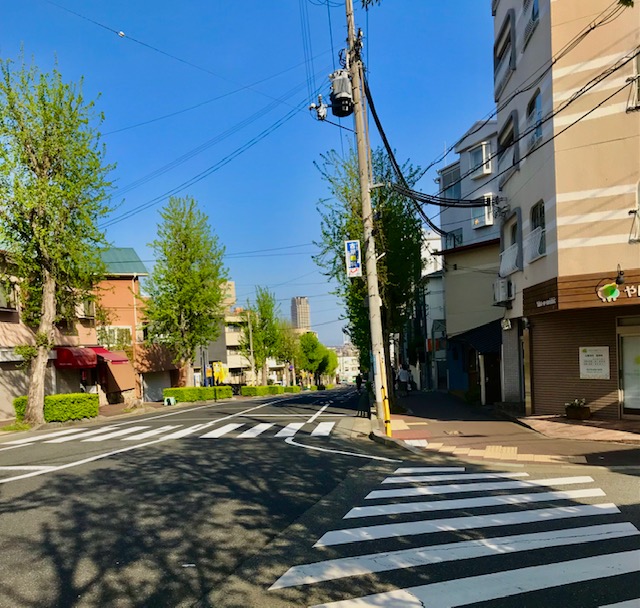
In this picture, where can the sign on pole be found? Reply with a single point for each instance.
(353, 258)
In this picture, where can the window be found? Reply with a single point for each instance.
(114, 338)
(483, 216)
(450, 182)
(534, 17)
(86, 309)
(534, 120)
(535, 245)
(7, 298)
(513, 233)
(503, 55)
(508, 149)
(506, 139)
(480, 160)
(453, 238)
(634, 97)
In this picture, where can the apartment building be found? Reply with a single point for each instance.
(300, 314)
(470, 253)
(568, 173)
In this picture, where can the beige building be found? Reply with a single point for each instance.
(300, 314)
(566, 85)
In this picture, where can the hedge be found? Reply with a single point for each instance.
(291, 389)
(254, 391)
(59, 408)
(275, 389)
(188, 394)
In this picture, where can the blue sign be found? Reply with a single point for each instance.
(353, 258)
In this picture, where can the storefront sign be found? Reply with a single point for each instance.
(594, 363)
(353, 258)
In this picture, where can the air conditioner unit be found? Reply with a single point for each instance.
(502, 292)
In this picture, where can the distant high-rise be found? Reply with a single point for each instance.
(300, 313)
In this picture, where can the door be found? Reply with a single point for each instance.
(630, 373)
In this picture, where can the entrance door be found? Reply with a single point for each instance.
(630, 374)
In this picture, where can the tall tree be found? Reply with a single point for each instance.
(288, 350)
(186, 288)
(53, 191)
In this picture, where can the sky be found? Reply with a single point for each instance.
(210, 99)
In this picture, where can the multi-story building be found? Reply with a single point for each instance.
(300, 314)
(470, 252)
(568, 174)
(348, 362)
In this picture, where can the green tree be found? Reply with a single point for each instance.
(288, 350)
(186, 288)
(53, 191)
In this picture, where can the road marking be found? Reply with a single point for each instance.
(318, 413)
(417, 443)
(256, 430)
(415, 470)
(26, 468)
(476, 487)
(461, 477)
(470, 503)
(190, 430)
(487, 587)
(333, 569)
(66, 438)
(43, 437)
(152, 432)
(630, 604)
(116, 434)
(291, 441)
(290, 430)
(221, 431)
(323, 429)
(366, 533)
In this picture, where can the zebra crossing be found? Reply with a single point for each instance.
(236, 430)
(489, 541)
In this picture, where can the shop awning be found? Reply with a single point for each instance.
(484, 339)
(75, 357)
(109, 356)
(120, 377)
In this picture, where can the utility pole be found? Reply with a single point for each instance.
(354, 65)
(253, 361)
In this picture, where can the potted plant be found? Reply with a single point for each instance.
(577, 409)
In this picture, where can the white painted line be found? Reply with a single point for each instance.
(487, 587)
(221, 431)
(92, 433)
(291, 441)
(116, 434)
(295, 416)
(318, 413)
(290, 430)
(256, 430)
(630, 604)
(190, 430)
(26, 468)
(333, 569)
(461, 477)
(323, 429)
(152, 432)
(417, 470)
(43, 437)
(470, 503)
(476, 487)
(418, 443)
(354, 535)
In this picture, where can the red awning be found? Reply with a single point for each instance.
(107, 355)
(74, 357)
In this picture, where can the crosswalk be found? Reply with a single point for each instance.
(236, 430)
(519, 536)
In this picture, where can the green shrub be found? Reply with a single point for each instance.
(255, 391)
(275, 389)
(59, 408)
(328, 387)
(187, 394)
(313, 388)
(291, 389)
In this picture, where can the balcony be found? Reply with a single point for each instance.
(509, 260)
(503, 72)
(534, 245)
(494, 6)
(534, 129)
(506, 164)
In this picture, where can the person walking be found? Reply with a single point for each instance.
(359, 382)
(403, 381)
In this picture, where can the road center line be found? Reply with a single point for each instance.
(313, 418)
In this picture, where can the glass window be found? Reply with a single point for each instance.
(535, 10)
(506, 139)
(537, 221)
(453, 238)
(480, 159)
(450, 183)
(534, 117)
(513, 231)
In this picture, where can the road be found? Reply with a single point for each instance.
(269, 503)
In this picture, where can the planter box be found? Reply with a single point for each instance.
(578, 413)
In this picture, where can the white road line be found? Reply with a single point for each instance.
(190, 430)
(461, 477)
(366, 533)
(152, 432)
(43, 437)
(102, 429)
(26, 468)
(318, 413)
(256, 430)
(290, 430)
(116, 434)
(630, 604)
(291, 441)
(295, 416)
(323, 429)
(221, 431)
(333, 569)
(487, 587)
(470, 503)
(416, 470)
(417, 443)
(476, 487)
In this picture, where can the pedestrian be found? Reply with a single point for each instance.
(359, 382)
(403, 380)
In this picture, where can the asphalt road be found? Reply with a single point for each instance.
(268, 503)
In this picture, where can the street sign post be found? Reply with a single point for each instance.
(353, 258)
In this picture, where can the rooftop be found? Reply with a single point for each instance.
(123, 261)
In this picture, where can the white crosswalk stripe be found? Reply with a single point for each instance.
(221, 431)
(323, 429)
(43, 437)
(80, 435)
(116, 434)
(256, 430)
(152, 432)
(505, 535)
(290, 430)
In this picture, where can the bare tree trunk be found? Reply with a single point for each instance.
(265, 373)
(34, 413)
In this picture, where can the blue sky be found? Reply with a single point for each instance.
(244, 65)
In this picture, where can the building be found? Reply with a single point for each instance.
(470, 253)
(300, 314)
(568, 177)
(348, 362)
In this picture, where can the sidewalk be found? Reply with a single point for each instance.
(443, 423)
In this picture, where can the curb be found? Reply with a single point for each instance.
(378, 437)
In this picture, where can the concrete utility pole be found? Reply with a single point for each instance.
(354, 65)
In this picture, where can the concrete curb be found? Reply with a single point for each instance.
(382, 439)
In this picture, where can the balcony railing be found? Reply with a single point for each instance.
(503, 72)
(509, 260)
(494, 6)
(506, 164)
(535, 245)
(534, 129)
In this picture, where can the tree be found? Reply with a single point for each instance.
(53, 191)
(288, 349)
(186, 288)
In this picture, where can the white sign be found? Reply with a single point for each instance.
(353, 258)
(594, 363)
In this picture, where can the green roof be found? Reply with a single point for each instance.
(123, 260)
